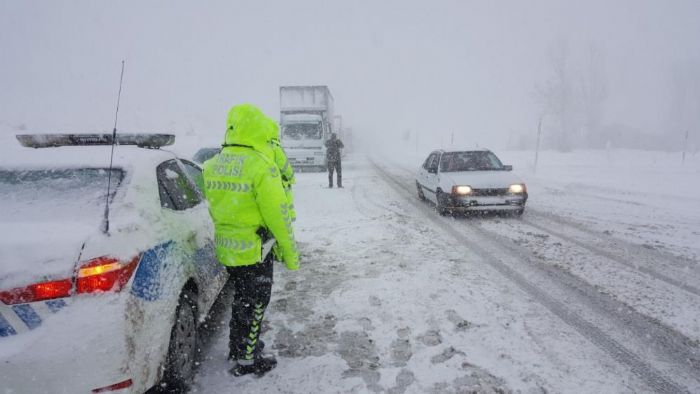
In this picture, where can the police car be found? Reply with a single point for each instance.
(101, 291)
(477, 180)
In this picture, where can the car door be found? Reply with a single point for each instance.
(208, 267)
(180, 186)
(431, 177)
(423, 171)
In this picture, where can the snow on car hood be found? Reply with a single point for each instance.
(32, 252)
(479, 179)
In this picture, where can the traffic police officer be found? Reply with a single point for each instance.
(248, 205)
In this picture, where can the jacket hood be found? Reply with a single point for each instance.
(273, 130)
(247, 125)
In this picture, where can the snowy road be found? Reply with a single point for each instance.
(394, 298)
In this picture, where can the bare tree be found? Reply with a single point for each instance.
(557, 96)
(592, 93)
(685, 103)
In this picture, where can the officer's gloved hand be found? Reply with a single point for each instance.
(291, 260)
(292, 265)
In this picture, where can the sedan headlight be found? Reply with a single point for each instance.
(517, 188)
(461, 190)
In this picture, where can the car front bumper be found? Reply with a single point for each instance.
(488, 203)
(306, 157)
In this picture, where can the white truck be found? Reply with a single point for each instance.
(306, 122)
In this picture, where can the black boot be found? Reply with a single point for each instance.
(260, 365)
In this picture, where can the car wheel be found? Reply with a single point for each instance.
(520, 211)
(180, 362)
(441, 205)
(421, 196)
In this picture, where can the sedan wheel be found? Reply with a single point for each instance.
(441, 205)
(179, 366)
(421, 196)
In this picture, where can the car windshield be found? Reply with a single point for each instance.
(56, 195)
(303, 131)
(470, 161)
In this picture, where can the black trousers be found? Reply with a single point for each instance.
(252, 286)
(339, 169)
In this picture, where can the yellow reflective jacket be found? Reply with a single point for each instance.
(280, 158)
(245, 193)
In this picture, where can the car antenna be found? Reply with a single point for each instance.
(111, 157)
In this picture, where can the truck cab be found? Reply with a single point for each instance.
(303, 138)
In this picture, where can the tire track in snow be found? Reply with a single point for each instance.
(666, 342)
(655, 334)
(611, 256)
(381, 208)
(629, 248)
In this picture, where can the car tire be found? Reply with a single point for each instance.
(421, 196)
(520, 212)
(182, 349)
(441, 205)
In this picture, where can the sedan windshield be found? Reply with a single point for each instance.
(470, 161)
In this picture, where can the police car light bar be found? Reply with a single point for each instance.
(152, 141)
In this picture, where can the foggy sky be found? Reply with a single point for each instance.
(433, 67)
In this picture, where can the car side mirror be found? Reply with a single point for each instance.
(432, 170)
(508, 167)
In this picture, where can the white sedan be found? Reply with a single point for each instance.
(470, 181)
(95, 300)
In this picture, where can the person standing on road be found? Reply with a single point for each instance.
(249, 207)
(333, 154)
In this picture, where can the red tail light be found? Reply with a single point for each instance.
(105, 274)
(97, 275)
(37, 292)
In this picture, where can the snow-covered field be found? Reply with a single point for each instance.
(595, 289)
(649, 198)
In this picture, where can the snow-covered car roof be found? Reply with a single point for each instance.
(125, 156)
(462, 150)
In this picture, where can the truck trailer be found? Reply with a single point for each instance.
(306, 123)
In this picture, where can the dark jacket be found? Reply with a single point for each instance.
(333, 147)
